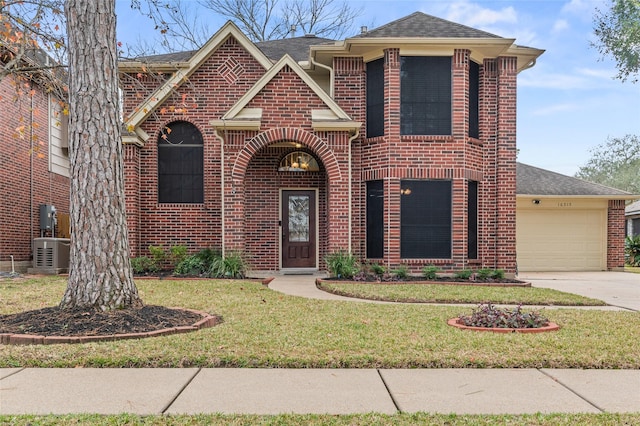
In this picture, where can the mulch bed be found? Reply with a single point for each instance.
(53, 321)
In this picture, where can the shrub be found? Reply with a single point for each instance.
(484, 274)
(401, 272)
(341, 264)
(177, 254)
(378, 269)
(487, 315)
(498, 274)
(143, 265)
(632, 250)
(191, 265)
(465, 274)
(430, 272)
(232, 265)
(158, 257)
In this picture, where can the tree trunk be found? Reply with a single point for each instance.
(100, 270)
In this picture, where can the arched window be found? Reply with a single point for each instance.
(298, 161)
(180, 164)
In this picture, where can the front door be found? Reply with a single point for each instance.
(298, 229)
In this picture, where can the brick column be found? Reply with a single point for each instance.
(392, 142)
(506, 164)
(615, 235)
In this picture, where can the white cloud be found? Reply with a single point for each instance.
(476, 16)
(560, 25)
(555, 109)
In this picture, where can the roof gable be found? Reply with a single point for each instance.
(241, 117)
(193, 62)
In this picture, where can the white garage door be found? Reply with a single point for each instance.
(561, 240)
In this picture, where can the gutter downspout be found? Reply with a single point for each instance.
(222, 208)
(331, 75)
(350, 180)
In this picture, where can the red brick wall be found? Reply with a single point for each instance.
(252, 182)
(615, 234)
(25, 180)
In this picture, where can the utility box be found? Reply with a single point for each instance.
(51, 255)
(47, 217)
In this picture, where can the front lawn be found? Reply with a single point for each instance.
(435, 293)
(263, 328)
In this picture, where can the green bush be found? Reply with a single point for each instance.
(232, 265)
(191, 265)
(342, 264)
(430, 272)
(632, 250)
(484, 274)
(401, 272)
(378, 269)
(158, 257)
(143, 265)
(177, 254)
(498, 274)
(465, 274)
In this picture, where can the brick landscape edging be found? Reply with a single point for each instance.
(552, 326)
(207, 321)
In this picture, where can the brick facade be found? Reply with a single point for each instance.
(26, 180)
(243, 185)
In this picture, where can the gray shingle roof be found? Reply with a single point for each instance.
(296, 47)
(420, 24)
(535, 181)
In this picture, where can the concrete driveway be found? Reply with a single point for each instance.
(620, 289)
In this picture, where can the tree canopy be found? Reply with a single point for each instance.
(615, 163)
(618, 33)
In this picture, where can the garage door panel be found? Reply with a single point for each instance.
(558, 240)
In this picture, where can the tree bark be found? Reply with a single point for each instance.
(100, 271)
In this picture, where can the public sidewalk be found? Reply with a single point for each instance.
(316, 391)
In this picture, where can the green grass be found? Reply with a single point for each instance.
(351, 420)
(263, 328)
(435, 293)
(634, 269)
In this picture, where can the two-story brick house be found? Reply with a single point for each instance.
(398, 144)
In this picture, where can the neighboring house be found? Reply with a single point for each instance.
(398, 144)
(34, 169)
(632, 213)
(568, 224)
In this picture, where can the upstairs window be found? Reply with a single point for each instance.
(425, 95)
(474, 100)
(180, 164)
(375, 98)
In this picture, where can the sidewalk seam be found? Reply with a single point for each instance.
(177, 395)
(395, 403)
(14, 373)
(584, 398)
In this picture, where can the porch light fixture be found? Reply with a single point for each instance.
(536, 201)
(406, 191)
(298, 161)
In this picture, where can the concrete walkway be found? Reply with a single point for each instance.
(319, 391)
(621, 290)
